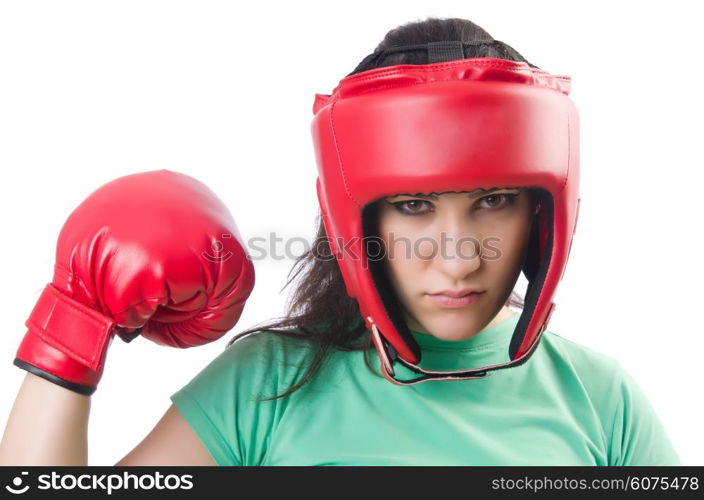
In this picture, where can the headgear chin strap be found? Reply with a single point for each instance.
(457, 125)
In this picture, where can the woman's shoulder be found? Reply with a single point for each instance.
(267, 346)
(256, 361)
(581, 370)
(580, 356)
(636, 435)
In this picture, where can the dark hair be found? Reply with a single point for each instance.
(319, 310)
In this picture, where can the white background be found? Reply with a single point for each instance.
(223, 91)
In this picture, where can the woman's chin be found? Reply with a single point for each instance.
(452, 331)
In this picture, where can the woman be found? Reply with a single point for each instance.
(305, 390)
(303, 396)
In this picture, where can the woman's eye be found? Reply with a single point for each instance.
(421, 207)
(409, 207)
(500, 200)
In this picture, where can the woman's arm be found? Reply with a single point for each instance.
(171, 442)
(48, 425)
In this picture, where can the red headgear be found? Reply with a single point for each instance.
(451, 126)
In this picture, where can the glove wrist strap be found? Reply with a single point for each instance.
(71, 327)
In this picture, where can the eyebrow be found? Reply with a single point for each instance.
(472, 194)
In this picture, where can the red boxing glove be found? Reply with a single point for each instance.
(155, 253)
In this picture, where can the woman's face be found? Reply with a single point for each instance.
(454, 242)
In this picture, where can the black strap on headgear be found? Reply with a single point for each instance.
(442, 51)
(445, 51)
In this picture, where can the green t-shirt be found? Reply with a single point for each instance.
(566, 405)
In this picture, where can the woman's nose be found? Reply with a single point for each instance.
(457, 250)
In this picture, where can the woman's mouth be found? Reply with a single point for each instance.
(447, 301)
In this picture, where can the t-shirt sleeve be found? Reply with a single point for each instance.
(220, 405)
(638, 436)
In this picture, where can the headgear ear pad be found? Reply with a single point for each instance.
(379, 273)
